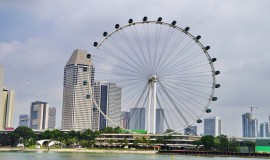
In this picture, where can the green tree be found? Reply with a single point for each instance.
(197, 143)
(25, 134)
(223, 143)
(47, 134)
(208, 142)
(234, 145)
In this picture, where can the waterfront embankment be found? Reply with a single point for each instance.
(128, 151)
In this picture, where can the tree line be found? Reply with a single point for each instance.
(223, 144)
(26, 136)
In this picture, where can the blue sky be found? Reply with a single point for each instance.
(38, 37)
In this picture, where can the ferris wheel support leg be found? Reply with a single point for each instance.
(154, 103)
(149, 109)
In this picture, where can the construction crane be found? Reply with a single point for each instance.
(251, 109)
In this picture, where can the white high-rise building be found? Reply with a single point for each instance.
(1, 88)
(77, 112)
(264, 132)
(39, 115)
(212, 126)
(6, 103)
(7, 108)
(108, 97)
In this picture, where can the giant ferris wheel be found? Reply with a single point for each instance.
(158, 66)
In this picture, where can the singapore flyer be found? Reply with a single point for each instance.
(164, 72)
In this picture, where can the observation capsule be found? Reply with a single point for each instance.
(213, 60)
(208, 111)
(207, 47)
(144, 18)
(217, 85)
(198, 37)
(84, 83)
(173, 23)
(105, 34)
(130, 21)
(159, 19)
(214, 98)
(95, 44)
(117, 26)
(187, 29)
(94, 109)
(88, 96)
(88, 55)
(217, 72)
(84, 69)
(199, 121)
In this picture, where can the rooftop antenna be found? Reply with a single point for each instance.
(251, 109)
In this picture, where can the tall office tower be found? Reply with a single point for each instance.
(77, 112)
(137, 118)
(160, 121)
(246, 124)
(191, 130)
(254, 127)
(52, 117)
(125, 118)
(249, 125)
(24, 120)
(1, 88)
(108, 97)
(212, 126)
(7, 108)
(39, 114)
(264, 132)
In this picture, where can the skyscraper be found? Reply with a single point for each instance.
(125, 118)
(249, 125)
(137, 118)
(77, 112)
(264, 132)
(108, 97)
(52, 117)
(1, 88)
(212, 126)
(39, 114)
(159, 121)
(6, 108)
(24, 120)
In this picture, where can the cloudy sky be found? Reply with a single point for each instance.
(38, 37)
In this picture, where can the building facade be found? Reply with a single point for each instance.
(6, 109)
(108, 97)
(264, 132)
(78, 108)
(249, 125)
(212, 126)
(52, 118)
(160, 121)
(6, 103)
(137, 119)
(125, 118)
(39, 115)
(24, 120)
(1, 88)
